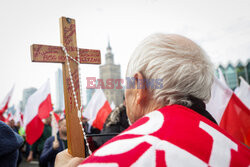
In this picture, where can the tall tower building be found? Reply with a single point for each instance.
(111, 71)
(26, 94)
(59, 105)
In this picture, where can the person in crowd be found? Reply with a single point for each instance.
(54, 145)
(16, 128)
(10, 142)
(116, 122)
(11, 123)
(37, 147)
(168, 81)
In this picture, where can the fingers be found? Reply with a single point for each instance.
(64, 159)
(75, 161)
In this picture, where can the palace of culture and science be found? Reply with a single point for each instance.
(109, 71)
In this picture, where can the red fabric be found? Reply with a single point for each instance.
(172, 135)
(57, 117)
(236, 120)
(102, 115)
(9, 117)
(2, 110)
(45, 107)
(122, 159)
(2, 118)
(34, 130)
(160, 159)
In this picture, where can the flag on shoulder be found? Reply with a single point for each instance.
(38, 107)
(97, 110)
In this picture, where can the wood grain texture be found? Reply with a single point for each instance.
(55, 54)
(74, 131)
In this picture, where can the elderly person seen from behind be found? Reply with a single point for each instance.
(170, 124)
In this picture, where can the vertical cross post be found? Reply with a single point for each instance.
(45, 53)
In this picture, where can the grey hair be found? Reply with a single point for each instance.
(183, 66)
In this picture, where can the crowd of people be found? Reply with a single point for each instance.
(169, 126)
(45, 149)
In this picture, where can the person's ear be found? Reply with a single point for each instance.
(141, 90)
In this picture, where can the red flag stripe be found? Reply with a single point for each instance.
(102, 116)
(45, 107)
(34, 130)
(236, 120)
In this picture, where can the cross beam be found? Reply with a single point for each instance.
(55, 54)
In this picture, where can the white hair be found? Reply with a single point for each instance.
(183, 66)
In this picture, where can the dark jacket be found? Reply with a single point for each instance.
(116, 122)
(37, 147)
(49, 154)
(10, 142)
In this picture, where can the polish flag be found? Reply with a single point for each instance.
(37, 108)
(229, 112)
(5, 103)
(243, 92)
(18, 116)
(97, 110)
(9, 118)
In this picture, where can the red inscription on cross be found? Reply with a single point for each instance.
(55, 54)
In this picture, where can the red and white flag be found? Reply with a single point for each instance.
(243, 92)
(37, 108)
(9, 117)
(18, 116)
(229, 112)
(5, 103)
(97, 110)
(171, 136)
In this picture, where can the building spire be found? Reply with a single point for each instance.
(109, 47)
(109, 55)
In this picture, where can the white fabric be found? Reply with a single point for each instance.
(112, 106)
(221, 78)
(96, 103)
(17, 116)
(220, 96)
(32, 106)
(243, 92)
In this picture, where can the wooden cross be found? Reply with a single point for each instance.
(55, 54)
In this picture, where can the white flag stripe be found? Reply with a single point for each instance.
(221, 77)
(32, 106)
(95, 104)
(17, 115)
(112, 106)
(243, 92)
(220, 96)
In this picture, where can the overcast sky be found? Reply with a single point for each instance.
(221, 27)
